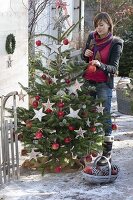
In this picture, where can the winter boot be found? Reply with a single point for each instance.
(107, 147)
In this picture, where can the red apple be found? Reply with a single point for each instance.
(55, 146)
(88, 170)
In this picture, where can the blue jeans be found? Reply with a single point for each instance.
(104, 93)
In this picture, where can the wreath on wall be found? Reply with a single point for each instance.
(10, 44)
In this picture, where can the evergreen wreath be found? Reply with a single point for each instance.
(10, 44)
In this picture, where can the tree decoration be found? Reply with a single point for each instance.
(21, 96)
(39, 114)
(10, 44)
(60, 130)
(38, 43)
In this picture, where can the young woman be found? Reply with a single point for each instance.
(103, 50)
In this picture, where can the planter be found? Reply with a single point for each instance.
(123, 99)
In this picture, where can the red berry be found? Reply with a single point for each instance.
(35, 104)
(65, 41)
(55, 146)
(38, 43)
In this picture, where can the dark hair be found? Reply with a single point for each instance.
(105, 17)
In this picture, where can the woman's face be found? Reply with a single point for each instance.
(102, 28)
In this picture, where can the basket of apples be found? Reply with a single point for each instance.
(96, 174)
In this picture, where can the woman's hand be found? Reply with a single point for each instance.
(95, 62)
(88, 53)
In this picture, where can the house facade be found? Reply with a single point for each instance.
(14, 68)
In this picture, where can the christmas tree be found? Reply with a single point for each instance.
(63, 123)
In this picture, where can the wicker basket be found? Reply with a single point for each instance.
(123, 100)
(97, 179)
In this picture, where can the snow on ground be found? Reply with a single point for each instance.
(72, 186)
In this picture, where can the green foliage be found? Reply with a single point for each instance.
(126, 62)
(64, 124)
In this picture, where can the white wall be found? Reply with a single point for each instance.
(14, 19)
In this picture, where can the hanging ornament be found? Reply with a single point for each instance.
(38, 43)
(65, 41)
(64, 60)
(67, 140)
(91, 68)
(28, 123)
(55, 146)
(38, 134)
(88, 122)
(80, 132)
(21, 96)
(44, 76)
(33, 154)
(71, 127)
(68, 81)
(72, 90)
(54, 79)
(114, 126)
(78, 85)
(35, 104)
(48, 111)
(58, 169)
(54, 48)
(37, 97)
(60, 104)
(74, 113)
(60, 114)
(100, 108)
(93, 129)
(39, 114)
(48, 105)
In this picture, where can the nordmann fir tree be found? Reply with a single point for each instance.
(63, 123)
